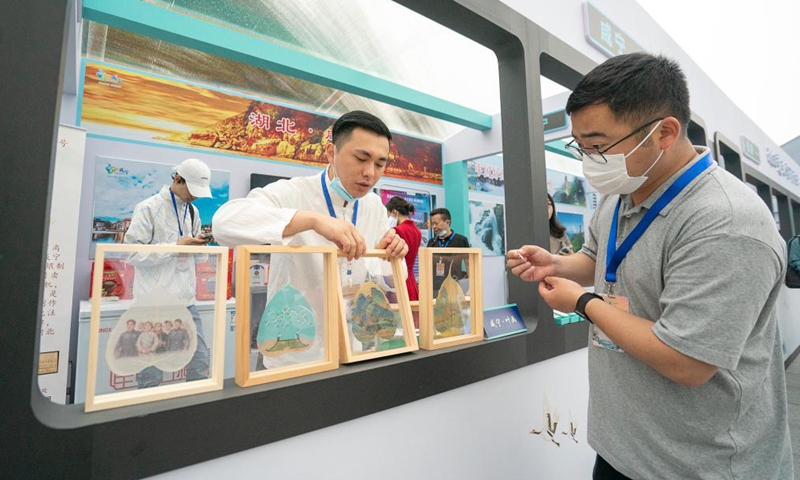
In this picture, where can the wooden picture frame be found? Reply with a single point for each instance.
(429, 337)
(401, 307)
(214, 381)
(331, 291)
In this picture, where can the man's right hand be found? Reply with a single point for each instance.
(200, 239)
(343, 234)
(531, 263)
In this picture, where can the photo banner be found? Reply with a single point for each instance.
(126, 103)
(567, 189)
(120, 184)
(573, 222)
(486, 175)
(487, 228)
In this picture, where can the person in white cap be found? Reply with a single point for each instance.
(169, 218)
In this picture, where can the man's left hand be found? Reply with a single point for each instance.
(560, 293)
(395, 246)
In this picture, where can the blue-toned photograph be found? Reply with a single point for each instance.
(573, 222)
(487, 227)
(486, 175)
(565, 188)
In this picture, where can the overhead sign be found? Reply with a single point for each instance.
(606, 36)
(750, 150)
(202, 117)
(783, 168)
(554, 121)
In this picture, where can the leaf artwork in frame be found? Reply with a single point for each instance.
(160, 334)
(450, 298)
(156, 331)
(372, 320)
(297, 332)
(448, 313)
(371, 324)
(288, 324)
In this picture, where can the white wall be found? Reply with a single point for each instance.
(480, 431)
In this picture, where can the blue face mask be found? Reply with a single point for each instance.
(442, 233)
(336, 186)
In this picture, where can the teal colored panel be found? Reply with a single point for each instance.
(244, 14)
(170, 26)
(566, 318)
(559, 147)
(456, 194)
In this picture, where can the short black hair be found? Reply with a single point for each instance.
(401, 205)
(344, 126)
(637, 87)
(445, 213)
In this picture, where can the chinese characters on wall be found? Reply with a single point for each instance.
(54, 269)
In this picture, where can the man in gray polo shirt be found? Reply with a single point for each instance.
(685, 362)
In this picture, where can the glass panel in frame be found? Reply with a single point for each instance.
(162, 342)
(450, 297)
(286, 301)
(375, 311)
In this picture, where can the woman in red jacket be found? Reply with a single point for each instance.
(399, 211)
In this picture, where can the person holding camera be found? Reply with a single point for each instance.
(170, 218)
(559, 241)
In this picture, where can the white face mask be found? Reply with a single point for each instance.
(611, 176)
(336, 186)
(392, 222)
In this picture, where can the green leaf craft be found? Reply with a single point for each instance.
(372, 320)
(448, 318)
(287, 325)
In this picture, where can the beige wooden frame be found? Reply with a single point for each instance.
(123, 399)
(332, 289)
(427, 333)
(403, 305)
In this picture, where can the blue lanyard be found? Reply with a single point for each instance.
(615, 256)
(444, 245)
(185, 210)
(330, 204)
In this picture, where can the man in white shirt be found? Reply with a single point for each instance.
(169, 218)
(335, 207)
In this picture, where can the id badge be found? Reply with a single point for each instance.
(440, 268)
(599, 338)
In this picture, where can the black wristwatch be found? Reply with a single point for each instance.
(580, 307)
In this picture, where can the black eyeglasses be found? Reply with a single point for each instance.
(578, 151)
